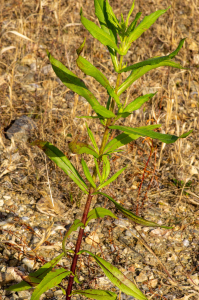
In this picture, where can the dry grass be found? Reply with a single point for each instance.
(28, 86)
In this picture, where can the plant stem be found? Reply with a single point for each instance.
(89, 199)
(78, 244)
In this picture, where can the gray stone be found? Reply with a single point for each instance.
(22, 69)
(21, 129)
(24, 295)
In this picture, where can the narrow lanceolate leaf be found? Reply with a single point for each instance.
(143, 26)
(33, 279)
(80, 148)
(102, 111)
(111, 16)
(91, 136)
(154, 60)
(132, 216)
(98, 171)
(96, 294)
(111, 179)
(125, 138)
(77, 223)
(92, 71)
(99, 212)
(70, 80)
(117, 277)
(133, 24)
(106, 167)
(52, 279)
(165, 138)
(135, 74)
(87, 173)
(129, 14)
(100, 11)
(136, 104)
(99, 34)
(62, 162)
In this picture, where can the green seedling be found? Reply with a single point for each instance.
(117, 36)
(180, 184)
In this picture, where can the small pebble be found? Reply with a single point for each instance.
(25, 218)
(29, 263)
(186, 243)
(6, 197)
(1, 202)
(122, 222)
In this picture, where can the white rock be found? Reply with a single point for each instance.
(28, 262)
(1, 202)
(196, 59)
(186, 243)
(24, 295)
(122, 222)
(6, 197)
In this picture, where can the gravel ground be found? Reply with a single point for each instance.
(164, 186)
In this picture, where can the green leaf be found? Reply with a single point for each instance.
(80, 49)
(101, 110)
(124, 139)
(100, 11)
(23, 285)
(111, 16)
(92, 71)
(132, 216)
(117, 277)
(165, 138)
(99, 212)
(91, 136)
(52, 279)
(96, 294)
(70, 80)
(80, 148)
(143, 26)
(106, 167)
(77, 223)
(99, 34)
(62, 162)
(114, 177)
(138, 102)
(130, 12)
(135, 74)
(154, 60)
(134, 105)
(133, 24)
(108, 103)
(35, 278)
(98, 171)
(87, 173)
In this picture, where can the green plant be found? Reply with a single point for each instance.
(180, 184)
(47, 277)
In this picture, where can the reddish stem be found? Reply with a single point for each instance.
(137, 208)
(77, 248)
